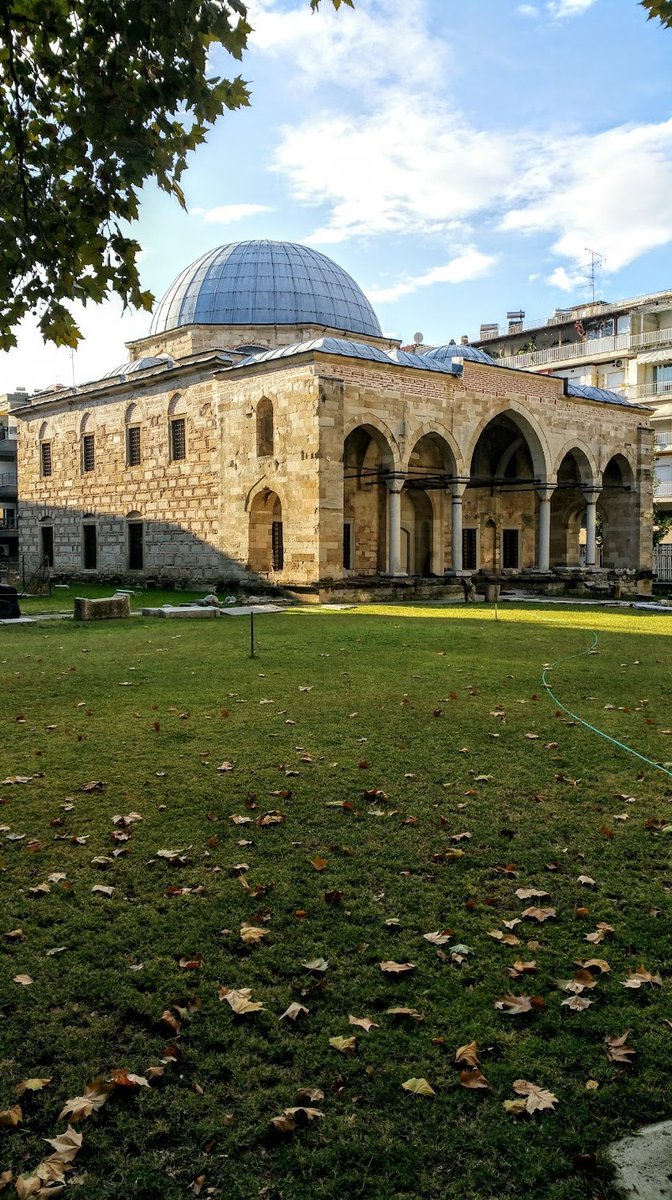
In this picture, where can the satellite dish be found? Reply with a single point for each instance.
(418, 338)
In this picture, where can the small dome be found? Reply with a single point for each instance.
(266, 283)
(139, 364)
(452, 350)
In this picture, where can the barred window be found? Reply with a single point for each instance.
(133, 453)
(88, 452)
(510, 548)
(178, 443)
(45, 458)
(277, 546)
(89, 547)
(469, 549)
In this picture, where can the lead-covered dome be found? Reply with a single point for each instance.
(266, 283)
(464, 350)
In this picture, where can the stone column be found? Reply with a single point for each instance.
(591, 495)
(457, 492)
(544, 545)
(394, 489)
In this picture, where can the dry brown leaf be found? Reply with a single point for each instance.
(617, 1049)
(594, 964)
(252, 934)
(14, 935)
(313, 1095)
(318, 863)
(439, 937)
(394, 968)
(473, 1079)
(79, 1107)
(467, 1054)
(103, 889)
(641, 975)
(291, 1117)
(412, 1013)
(364, 1023)
(419, 1087)
(531, 894)
(31, 1085)
(239, 1000)
(24, 980)
(576, 1003)
(515, 1107)
(537, 1099)
(346, 1045)
(315, 964)
(519, 1004)
(507, 939)
(10, 1117)
(295, 1010)
(586, 881)
(66, 1146)
(600, 933)
(539, 914)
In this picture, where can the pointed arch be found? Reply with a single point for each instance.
(527, 425)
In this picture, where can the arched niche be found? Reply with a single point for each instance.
(266, 551)
(264, 424)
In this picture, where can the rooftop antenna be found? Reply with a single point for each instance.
(596, 263)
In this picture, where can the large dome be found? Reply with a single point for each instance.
(266, 283)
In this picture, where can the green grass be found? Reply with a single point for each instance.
(401, 700)
(61, 599)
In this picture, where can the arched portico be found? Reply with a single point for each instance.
(370, 465)
(620, 524)
(573, 508)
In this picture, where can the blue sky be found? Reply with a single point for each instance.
(455, 156)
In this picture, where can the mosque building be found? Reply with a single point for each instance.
(267, 430)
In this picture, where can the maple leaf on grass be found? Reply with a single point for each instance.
(519, 1004)
(315, 964)
(473, 1079)
(576, 1003)
(468, 1054)
(536, 1099)
(439, 937)
(290, 1118)
(252, 934)
(312, 1095)
(11, 1117)
(364, 1023)
(531, 893)
(31, 1085)
(539, 914)
(239, 1000)
(412, 1013)
(346, 1045)
(419, 1087)
(640, 976)
(600, 933)
(394, 968)
(79, 1107)
(618, 1050)
(294, 1011)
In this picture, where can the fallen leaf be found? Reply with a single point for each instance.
(79, 1107)
(519, 1004)
(315, 964)
(314, 1095)
(31, 1085)
(11, 1117)
(239, 1000)
(295, 1010)
(191, 964)
(537, 1099)
(617, 1049)
(473, 1079)
(252, 934)
(24, 980)
(103, 889)
(640, 976)
(586, 881)
(539, 914)
(365, 1023)
(439, 938)
(318, 863)
(530, 894)
(467, 1054)
(576, 1003)
(412, 1013)
(395, 968)
(419, 1087)
(345, 1044)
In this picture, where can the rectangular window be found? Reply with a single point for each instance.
(469, 562)
(348, 546)
(90, 547)
(510, 548)
(277, 546)
(135, 546)
(133, 456)
(178, 444)
(47, 538)
(88, 453)
(45, 458)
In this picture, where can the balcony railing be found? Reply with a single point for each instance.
(663, 487)
(640, 391)
(593, 348)
(9, 523)
(663, 437)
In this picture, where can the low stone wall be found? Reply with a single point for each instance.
(102, 610)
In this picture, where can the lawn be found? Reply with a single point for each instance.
(286, 824)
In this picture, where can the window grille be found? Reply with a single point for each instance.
(45, 457)
(469, 562)
(277, 546)
(133, 454)
(178, 444)
(347, 546)
(88, 452)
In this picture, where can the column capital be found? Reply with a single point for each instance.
(591, 494)
(457, 489)
(395, 483)
(545, 490)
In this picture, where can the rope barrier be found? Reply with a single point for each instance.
(600, 732)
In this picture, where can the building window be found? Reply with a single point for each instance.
(348, 545)
(88, 452)
(133, 454)
(136, 558)
(45, 458)
(178, 443)
(510, 548)
(264, 427)
(47, 547)
(277, 546)
(469, 556)
(89, 547)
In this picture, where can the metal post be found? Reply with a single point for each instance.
(251, 635)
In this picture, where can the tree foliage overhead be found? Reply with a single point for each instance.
(96, 97)
(662, 9)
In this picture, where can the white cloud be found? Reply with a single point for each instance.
(602, 191)
(468, 265)
(567, 281)
(35, 364)
(528, 10)
(568, 8)
(378, 43)
(226, 214)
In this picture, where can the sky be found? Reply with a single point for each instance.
(459, 158)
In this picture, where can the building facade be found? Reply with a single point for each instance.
(267, 430)
(624, 346)
(9, 525)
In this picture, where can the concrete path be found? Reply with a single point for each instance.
(644, 1163)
